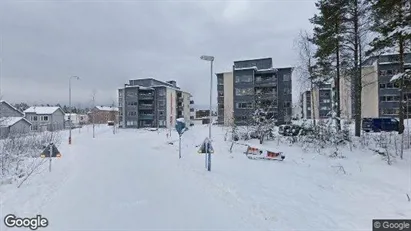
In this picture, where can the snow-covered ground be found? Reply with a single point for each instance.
(134, 180)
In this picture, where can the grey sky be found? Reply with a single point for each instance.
(108, 42)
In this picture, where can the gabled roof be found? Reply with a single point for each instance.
(10, 121)
(12, 107)
(106, 108)
(43, 110)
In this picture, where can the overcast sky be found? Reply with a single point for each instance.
(106, 43)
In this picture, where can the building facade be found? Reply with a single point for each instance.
(45, 118)
(318, 103)
(152, 103)
(103, 114)
(12, 121)
(254, 84)
(380, 97)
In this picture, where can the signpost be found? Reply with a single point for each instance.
(206, 148)
(180, 128)
(50, 151)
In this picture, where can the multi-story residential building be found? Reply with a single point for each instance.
(254, 84)
(152, 103)
(318, 101)
(380, 97)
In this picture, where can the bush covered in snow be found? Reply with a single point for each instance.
(19, 155)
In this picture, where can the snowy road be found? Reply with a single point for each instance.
(125, 184)
(134, 180)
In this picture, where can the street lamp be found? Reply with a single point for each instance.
(210, 59)
(71, 77)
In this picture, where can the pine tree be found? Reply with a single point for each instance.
(357, 27)
(328, 30)
(392, 21)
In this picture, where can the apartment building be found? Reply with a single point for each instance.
(149, 102)
(318, 103)
(254, 84)
(380, 97)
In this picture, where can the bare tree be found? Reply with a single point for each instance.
(306, 51)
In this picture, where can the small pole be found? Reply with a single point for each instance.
(179, 147)
(209, 158)
(205, 154)
(51, 154)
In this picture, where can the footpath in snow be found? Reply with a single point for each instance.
(134, 180)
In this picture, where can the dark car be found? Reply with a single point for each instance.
(380, 124)
(289, 130)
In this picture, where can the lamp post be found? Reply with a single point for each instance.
(71, 77)
(211, 60)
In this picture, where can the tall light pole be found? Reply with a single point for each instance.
(211, 60)
(71, 77)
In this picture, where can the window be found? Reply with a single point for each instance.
(161, 113)
(44, 118)
(383, 99)
(287, 104)
(389, 72)
(382, 85)
(287, 91)
(220, 81)
(326, 101)
(131, 94)
(244, 91)
(244, 105)
(221, 93)
(286, 77)
(133, 103)
(390, 85)
(383, 72)
(132, 113)
(34, 118)
(244, 79)
(389, 98)
(161, 103)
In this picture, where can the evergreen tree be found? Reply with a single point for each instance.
(329, 27)
(392, 22)
(357, 28)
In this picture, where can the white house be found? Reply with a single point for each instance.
(45, 118)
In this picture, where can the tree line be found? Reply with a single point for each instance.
(345, 34)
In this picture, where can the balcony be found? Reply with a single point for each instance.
(146, 116)
(144, 106)
(269, 82)
(146, 96)
(266, 95)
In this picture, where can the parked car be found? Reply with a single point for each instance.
(289, 130)
(380, 124)
(110, 123)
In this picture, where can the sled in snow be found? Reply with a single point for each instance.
(259, 154)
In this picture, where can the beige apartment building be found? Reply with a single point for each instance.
(380, 97)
